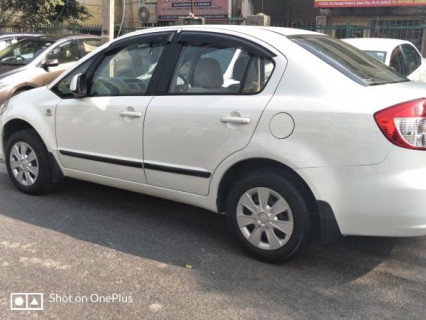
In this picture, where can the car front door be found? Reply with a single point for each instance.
(101, 133)
(203, 115)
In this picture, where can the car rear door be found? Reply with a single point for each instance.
(199, 116)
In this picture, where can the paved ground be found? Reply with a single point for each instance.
(101, 253)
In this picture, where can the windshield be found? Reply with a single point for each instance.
(379, 55)
(350, 61)
(23, 52)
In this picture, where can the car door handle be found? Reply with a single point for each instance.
(238, 120)
(131, 114)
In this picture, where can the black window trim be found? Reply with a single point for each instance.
(226, 40)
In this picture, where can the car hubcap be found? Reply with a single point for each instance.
(24, 164)
(265, 218)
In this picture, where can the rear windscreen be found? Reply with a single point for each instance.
(352, 62)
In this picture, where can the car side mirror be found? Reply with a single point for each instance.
(50, 63)
(78, 86)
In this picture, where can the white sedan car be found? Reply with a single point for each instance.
(311, 138)
(401, 55)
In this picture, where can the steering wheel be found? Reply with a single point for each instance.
(20, 57)
(124, 73)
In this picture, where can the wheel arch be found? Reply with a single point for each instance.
(22, 89)
(13, 126)
(16, 125)
(243, 167)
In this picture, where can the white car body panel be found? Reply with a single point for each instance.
(419, 74)
(376, 200)
(374, 187)
(35, 110)
(99, 130)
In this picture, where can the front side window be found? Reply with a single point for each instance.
(65, 52)
(127, 71)
(205, 68)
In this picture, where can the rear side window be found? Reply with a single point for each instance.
(65, 53)
(355, 64)
(90, 45)
(205, 68)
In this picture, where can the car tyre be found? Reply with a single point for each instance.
(269, 215)
(27, 163)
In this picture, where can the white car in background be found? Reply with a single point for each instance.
(401, 55)
(312, 136)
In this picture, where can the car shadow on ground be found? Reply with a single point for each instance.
(179, 234)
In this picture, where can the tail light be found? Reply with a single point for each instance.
(404, 124)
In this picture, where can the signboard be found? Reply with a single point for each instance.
(171, 10)
(367, 3)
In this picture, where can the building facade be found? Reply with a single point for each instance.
(405, 21)
(136, 13)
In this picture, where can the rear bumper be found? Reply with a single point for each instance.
(387, 199)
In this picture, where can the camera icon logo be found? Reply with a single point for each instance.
(26, 301)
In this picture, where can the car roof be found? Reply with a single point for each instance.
(12, 35)
(56, 37)
(249, 30)
(375, 44)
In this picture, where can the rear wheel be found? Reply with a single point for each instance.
(27, 162)
(268, 213)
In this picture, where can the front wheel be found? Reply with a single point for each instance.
(27, 162)
(267, 211)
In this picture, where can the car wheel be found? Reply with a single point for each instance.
(27, 163)
(268, 213)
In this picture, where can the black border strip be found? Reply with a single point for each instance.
(134, 164)
(119, 162)
(187, 172)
